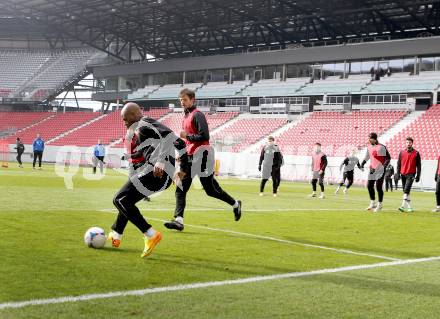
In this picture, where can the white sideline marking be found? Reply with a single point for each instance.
(110, 210)
(142, 292)
(344, 251)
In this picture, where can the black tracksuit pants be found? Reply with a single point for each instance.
(349, 175)
(38, 154)
(276, 180)
(388, 183)
(407, 181)
(132, 192)
(437, 190)
(378, 181)
(320, 181)
(98, 160)
(209, 183)
(19, 154)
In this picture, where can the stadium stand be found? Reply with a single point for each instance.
(142, 93)
(275, 87)
(426, 134)
(33, 74)
(171, 91)
(10, 122)
(337, 132)
(221, 89)
(405, 83)
(245, 132)
(18, 66)
(108, 129)
(53, 126)
(335, 85)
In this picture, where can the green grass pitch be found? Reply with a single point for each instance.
(42, 253)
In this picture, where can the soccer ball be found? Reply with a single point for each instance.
(95, 237)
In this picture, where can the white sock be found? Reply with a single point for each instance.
(372, 203)
(235, 205)
(408, 202)
(179, 219)
(116, 235)
(379, 204)
(314, 193)
(403, 203)
(150, 232)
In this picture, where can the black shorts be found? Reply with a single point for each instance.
(407, 181)
(348, 175)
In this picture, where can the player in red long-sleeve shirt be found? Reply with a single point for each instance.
(409, 168)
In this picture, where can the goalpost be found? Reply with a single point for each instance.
(4, 154)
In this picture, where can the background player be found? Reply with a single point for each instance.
(98, 157)
(20, 150)
(437, 187)
(319, 164)
(348, 164)
(409, 168)
(38, 149)
(379, 159)
(389, 173)
(271, 161)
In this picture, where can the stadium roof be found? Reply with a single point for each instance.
(179, 28)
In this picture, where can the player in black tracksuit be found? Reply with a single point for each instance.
(272, 160)
(20, 150)
(389, 173)
(349, 164)
(150, 150)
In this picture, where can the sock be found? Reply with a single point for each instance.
(337, 189)
(408, 202)
(379, 204)
(403, 203)
(179, 219)
(235, 205)
(372, 203)
(116, 235)
(150, 232)
(314, 193)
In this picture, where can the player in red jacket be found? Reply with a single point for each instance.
(409, 168)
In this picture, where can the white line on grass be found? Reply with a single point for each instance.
(339, 250)
(344, 251)
(142, 292)
(110, 210)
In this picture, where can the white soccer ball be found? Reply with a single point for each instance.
(95, 237)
